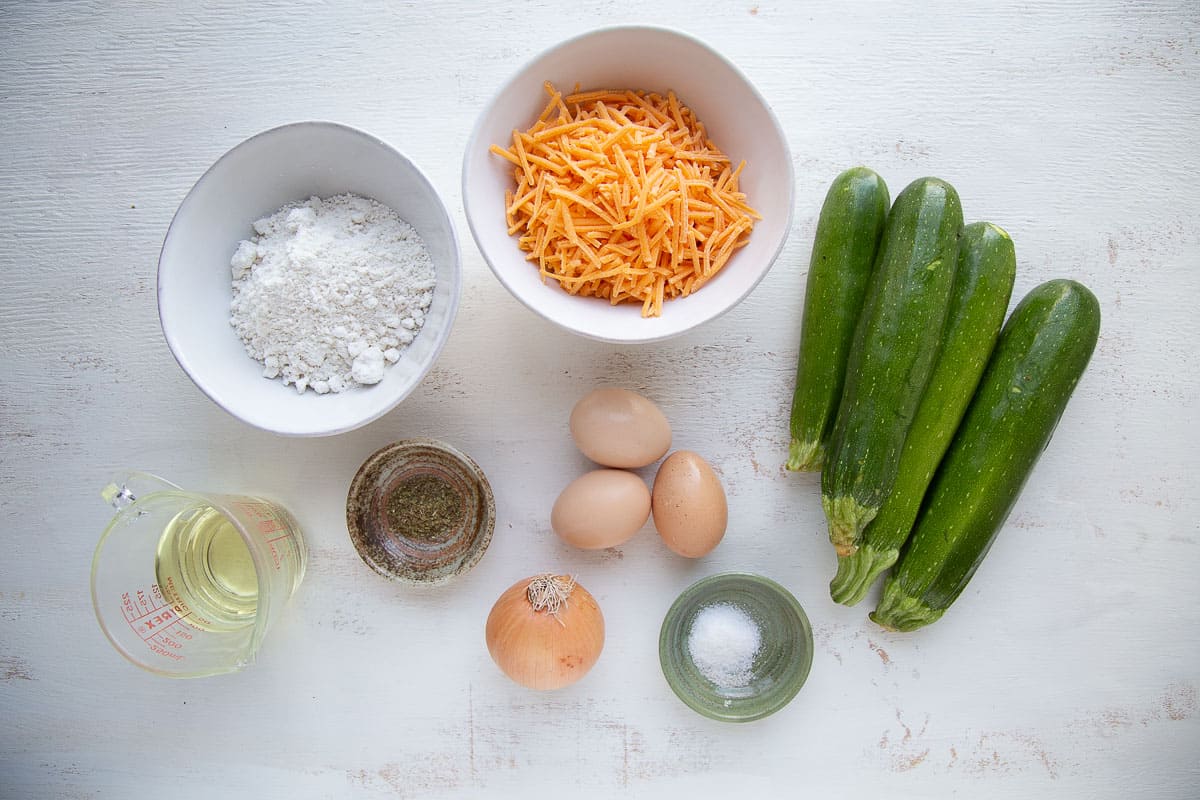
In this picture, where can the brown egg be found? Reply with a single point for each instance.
(689, 505)
(603, 508)
(620, 428)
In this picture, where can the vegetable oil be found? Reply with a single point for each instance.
(206, 572)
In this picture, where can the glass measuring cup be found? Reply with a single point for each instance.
(186, 584)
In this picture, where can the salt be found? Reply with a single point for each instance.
(722, 643)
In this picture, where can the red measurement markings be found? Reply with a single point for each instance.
(155, 623)
(269, 522)
(139, 604)
(127, 607)
(270, 526)
(276, 555)
(171, 641)
(255, 510)
(151, 625)
(166, 646)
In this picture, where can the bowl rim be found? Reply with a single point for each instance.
(785, 697)
(487, 526)
(485, 112)
(451, 314)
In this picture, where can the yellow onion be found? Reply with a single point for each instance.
(545, 632)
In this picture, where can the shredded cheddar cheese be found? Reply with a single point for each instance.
(621, 195)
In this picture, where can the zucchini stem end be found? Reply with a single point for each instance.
(857, 572)
(900, 611)
(805, 456)
(847, 518)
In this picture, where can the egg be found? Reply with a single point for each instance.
(620, 428)
(603, 508)
(689, 505)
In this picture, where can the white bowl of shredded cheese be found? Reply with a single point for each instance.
(597, 216)
(309, 279)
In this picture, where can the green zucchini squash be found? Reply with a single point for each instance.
(896, 344)
(1042, 351)
(843, 254)
(987, 264)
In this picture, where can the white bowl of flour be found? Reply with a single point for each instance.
(309, 279)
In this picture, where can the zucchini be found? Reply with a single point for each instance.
(987, 264)
(1042, 351)
(896, 344)
(843, 253)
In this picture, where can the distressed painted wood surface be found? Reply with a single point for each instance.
(1069, 667)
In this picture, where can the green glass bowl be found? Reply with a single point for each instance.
(780, 667)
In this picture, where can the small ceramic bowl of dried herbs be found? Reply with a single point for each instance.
(420, 511)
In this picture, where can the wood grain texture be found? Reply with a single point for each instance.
(1067, 669)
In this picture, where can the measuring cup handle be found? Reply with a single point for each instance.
(125, 487)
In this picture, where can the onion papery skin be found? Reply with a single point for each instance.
(538, 649)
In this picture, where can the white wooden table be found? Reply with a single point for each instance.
(1067, 669)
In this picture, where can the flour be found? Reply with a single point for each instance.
(330, 291)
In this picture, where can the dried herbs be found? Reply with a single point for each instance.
(425, 507)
